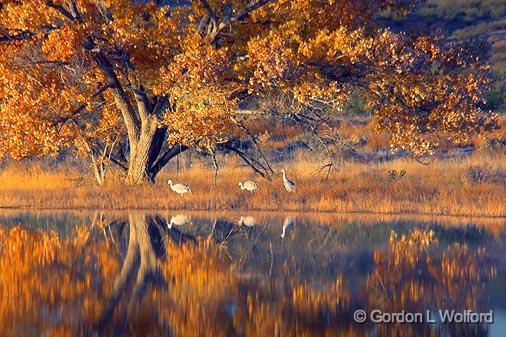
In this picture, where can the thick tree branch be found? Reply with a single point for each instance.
(159, 104)
(20, 36)
(251, 7)
(130, 117)
(24, 35)
(62, 10)
(210, 11)
(167, 156)
(143, 104)
(75, 11)
(159, 138)
(82, 106)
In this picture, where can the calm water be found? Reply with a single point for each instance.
(199, 274)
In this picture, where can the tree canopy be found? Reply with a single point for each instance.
(164, 77)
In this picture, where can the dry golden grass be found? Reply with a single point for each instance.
(442, 188)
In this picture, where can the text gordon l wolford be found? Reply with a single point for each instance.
(429, 316)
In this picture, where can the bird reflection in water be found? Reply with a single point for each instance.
(287, 223)
(179, 220)
(247, 221)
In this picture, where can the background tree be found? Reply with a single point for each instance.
(173, 77)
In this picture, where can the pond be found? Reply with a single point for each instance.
(80, 273)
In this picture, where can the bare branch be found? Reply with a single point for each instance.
(255, 143)
(104, 11)
(210, 11)
(62, 10)
(20, 36)
(248, 160)
(24, 35)
(215, 163)
(56, 63)
(329, 166)
(81, 107)
(213, 34)
(118, 163)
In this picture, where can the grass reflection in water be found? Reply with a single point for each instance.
(137, 277)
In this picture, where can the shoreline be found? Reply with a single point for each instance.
(249, 210)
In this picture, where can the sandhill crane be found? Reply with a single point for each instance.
(179, 188)
(289, 185)
(249, 185)
(287, 223)
(247, 221)
(179, 220)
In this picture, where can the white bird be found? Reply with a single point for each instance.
(287, 223)
(249, 185)
(247, 221)
(179, 188)
(179, 220)
(289, 185)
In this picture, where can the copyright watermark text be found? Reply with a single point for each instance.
(428, 316)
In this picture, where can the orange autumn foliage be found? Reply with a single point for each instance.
(84, 74)
(75, 285)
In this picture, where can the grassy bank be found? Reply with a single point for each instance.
(473, 186)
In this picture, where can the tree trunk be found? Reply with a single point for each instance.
(139, 264)
(147, 158)
(146, 137)
(139, 164)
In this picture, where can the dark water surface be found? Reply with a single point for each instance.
(259, 274)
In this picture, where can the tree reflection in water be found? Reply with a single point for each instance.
(139, 277)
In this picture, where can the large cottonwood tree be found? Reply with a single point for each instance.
(165, 78)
